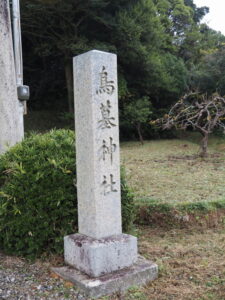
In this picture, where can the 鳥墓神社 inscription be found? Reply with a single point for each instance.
(105, 85)
(108, 149)
(107, 120)
(109, 185)
(97, 144)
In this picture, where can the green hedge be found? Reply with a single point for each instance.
(38, 202)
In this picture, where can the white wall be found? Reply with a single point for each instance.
(11, 110)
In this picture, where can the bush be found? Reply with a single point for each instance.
(38, 203)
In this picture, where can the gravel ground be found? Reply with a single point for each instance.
(22, 281)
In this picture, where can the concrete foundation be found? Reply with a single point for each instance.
(97, 257)
(140, 273)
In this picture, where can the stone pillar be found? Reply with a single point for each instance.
(11, 110)
(100, 249)
(98, 170)
(97, 144)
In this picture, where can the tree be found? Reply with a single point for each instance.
(209, 75)
(196, 111)
(146, 65)
(199, 12)
(137, 113)
(54, 31)
(57, 30)
(160, 46)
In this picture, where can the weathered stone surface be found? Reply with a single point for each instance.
(11, 110)
(98, 257)
(97, 144)
(140, 273)
(100, 250)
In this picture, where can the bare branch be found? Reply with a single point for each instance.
(199, 112)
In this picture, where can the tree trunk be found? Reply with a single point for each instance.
(204, 145)
(138, 126)
(11, 109)
(69, 84)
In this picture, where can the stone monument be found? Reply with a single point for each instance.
(100, 258)
(11, 110)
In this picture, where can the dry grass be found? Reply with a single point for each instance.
(170, 170)
(191, 264)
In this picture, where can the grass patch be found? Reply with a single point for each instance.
(169, 171)
(175, 215)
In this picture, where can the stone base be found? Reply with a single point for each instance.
(142, 272)
(98, 257)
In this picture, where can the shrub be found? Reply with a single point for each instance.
(38, 202)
